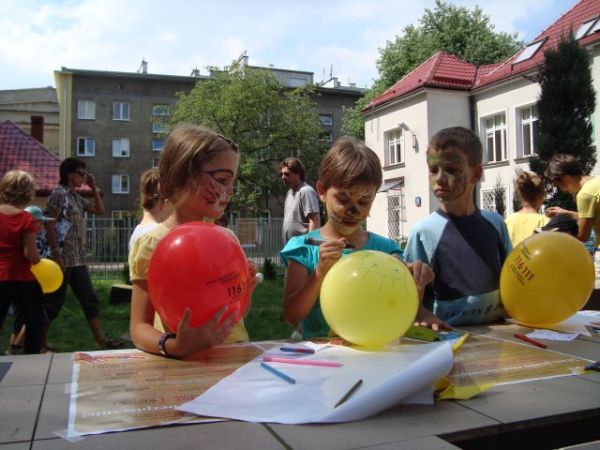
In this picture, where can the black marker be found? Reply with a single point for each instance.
(313, 241)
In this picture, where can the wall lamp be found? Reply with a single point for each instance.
(405, 127)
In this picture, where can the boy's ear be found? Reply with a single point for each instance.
(321, 191)
(477, 173)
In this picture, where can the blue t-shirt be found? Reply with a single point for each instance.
(296, 250)
(466, 253)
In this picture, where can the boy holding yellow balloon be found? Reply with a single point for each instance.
(349, 177)
(464, 245)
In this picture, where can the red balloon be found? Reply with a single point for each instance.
(200, 266)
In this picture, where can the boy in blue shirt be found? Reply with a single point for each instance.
(464, 245)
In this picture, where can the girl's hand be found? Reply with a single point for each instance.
(422, 274)
(329, 253)
(192, 340)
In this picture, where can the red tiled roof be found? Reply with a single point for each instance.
(445, 71)
(582, 12)
(20, 151)
(441, 70)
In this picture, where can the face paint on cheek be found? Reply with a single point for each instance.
(213, 191)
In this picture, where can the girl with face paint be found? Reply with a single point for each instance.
(349, 177)
(197, 174)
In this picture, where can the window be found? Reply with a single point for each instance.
(495, 134)
(86, 146)
(529, 131)
(120, 148)
(120, 184)
(121, 111)
(158, 144)
(528, 52)
(326, 136)
(396, 215)
(584, 29)
(160, 127)
(86, 109)
(326, 119)
(155, 160)
(296, 81)
(491, 199)
(395, 148)
(160, 110)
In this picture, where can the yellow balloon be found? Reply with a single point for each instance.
(369, 298)
(48, 274)
(546, 279)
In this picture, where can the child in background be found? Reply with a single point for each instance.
(197, 170)
(465, 246)
(349, 177)
(531, 192)
(17, 337)
(18, 232)
(155, 208)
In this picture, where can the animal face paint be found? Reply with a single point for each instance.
(348, 208)
(450, 175)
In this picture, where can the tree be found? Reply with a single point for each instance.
(466, 34)
(565, 106)
(268, 121)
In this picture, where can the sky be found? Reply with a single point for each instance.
(334, 37)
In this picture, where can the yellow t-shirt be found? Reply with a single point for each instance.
(522, 225)
(139, 259)
(588, 204)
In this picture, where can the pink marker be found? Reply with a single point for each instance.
(302, 362)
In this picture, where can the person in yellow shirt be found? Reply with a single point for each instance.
(530, 190)
(566, 173)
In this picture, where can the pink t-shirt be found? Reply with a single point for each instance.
(13, 265)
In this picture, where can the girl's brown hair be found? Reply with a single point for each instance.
(149, 188)
(350, 163)
(186, 150)
(529, 186)
(17, 188)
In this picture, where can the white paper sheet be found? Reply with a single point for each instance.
(390, 376)
(552, 335)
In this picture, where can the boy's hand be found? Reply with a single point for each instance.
(555, 211)
(426, 318)
(192, 340)
(329, 253)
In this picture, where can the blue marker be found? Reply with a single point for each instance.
(279, 374)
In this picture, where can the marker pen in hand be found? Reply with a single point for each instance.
(313, 241)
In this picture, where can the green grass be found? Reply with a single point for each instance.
(70, 331)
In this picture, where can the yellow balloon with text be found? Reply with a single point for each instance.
(546, 279)
(369, 298)
(48, 274)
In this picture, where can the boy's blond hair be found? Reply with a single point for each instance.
(17, 188)
(461, 138)
(349, 163)
(186, 150)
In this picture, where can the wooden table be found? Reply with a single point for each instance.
(550, 413)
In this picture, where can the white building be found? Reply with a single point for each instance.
(497, 101)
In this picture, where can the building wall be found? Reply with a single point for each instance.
(19, 105)
(142, 92)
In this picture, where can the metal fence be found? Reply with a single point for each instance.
(107, 241)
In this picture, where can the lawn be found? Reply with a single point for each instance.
(70, 332)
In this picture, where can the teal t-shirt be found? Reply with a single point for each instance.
(296, 250)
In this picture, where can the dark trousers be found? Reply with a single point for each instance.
(27, 297)
(80, 281)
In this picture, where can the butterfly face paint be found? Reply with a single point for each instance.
(348, 208)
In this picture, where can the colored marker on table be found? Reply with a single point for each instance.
(277, 373)
(296, 350)
(303, 362)
(348, 394)
(593, 366)
(530, 341)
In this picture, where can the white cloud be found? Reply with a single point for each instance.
(40, 36)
